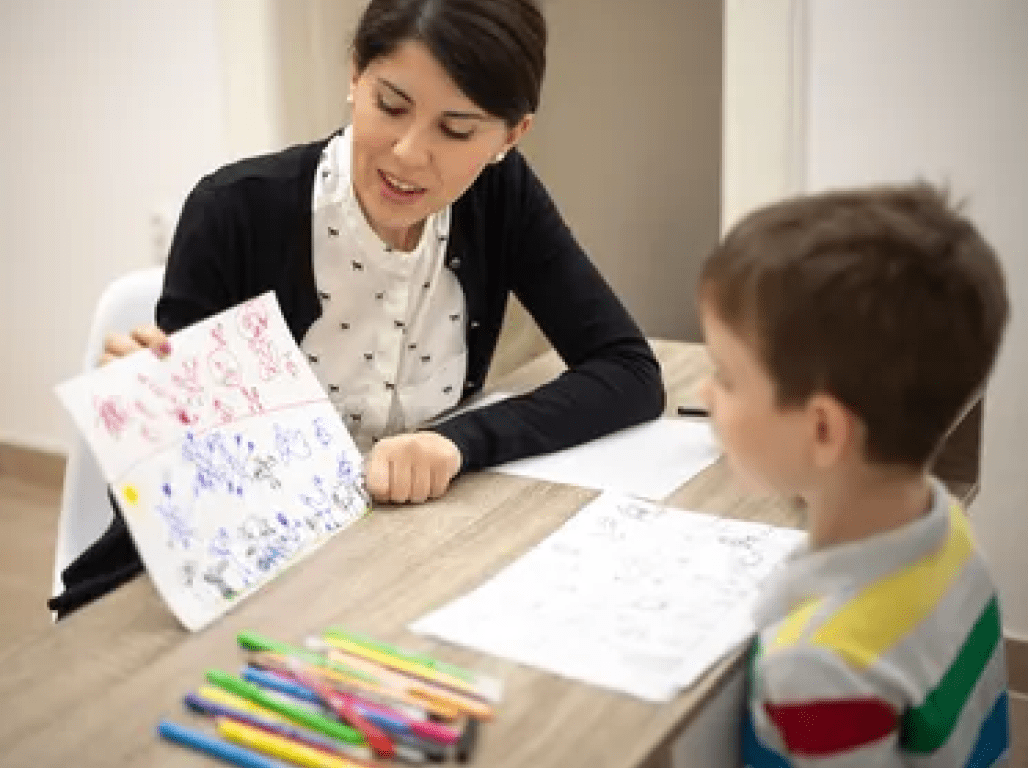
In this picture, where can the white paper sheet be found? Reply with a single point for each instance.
(626, 595)
(227, 459)
(649, 461)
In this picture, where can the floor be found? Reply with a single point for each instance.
(28, 529)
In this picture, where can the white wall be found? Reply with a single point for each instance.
(762, 148)
(939, 88)
(111, 109)
(931, 88)
(628, 142)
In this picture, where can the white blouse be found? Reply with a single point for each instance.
(389, 347)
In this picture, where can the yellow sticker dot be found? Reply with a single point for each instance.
(131, 494)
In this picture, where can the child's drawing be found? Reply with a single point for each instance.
(227, 458)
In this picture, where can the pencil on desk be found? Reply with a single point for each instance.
(690, 410)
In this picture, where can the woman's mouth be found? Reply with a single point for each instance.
(399, 190)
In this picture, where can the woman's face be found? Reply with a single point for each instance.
(418, 142)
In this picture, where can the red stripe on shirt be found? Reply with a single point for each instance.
(823, 728)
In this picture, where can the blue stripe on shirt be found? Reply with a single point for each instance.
(994, 737)
(754, 753)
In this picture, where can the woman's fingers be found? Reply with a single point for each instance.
(411, 468)
(153, 337)
(146, 336)
(377, 475)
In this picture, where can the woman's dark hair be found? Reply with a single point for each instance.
(494, 50)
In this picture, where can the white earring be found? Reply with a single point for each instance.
(499, 157)
(349, 98)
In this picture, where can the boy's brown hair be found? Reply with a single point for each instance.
(886, 298)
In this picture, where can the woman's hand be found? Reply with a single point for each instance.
(411, 468)
(118, 344)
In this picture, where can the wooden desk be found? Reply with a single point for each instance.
(91, 690)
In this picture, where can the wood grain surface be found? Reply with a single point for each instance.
(90, 690)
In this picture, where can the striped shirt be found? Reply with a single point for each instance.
(882, 652)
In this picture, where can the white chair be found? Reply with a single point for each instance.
(85, 509)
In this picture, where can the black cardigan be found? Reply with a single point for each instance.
(246, 229)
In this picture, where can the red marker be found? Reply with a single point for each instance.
(343, 707)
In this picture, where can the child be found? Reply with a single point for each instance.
(850, 331)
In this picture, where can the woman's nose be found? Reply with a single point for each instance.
(412, 147)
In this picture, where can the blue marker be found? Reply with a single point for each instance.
(275, 682)
(215, 747)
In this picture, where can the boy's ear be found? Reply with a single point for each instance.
(834, 430)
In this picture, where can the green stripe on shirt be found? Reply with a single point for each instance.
(927, 727)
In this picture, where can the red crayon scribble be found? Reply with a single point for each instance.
(267, 359)
(253, 320)
(153, 386)
(219, 336)
(189, 380)
(185, 417)
(223, 367)
(224, 411)
(149, 433)
(145, 410)
(291, 366)
(253, 399)
(114, 417)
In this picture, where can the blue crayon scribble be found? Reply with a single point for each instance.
(321, 505)
(218, 464)
(180, 532)
(322, 432)
(291, 444)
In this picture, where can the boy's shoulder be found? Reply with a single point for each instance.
(905, 623)
(881, 595)
(914, 651)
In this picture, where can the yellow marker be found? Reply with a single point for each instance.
(218, 696)
(131, 494)
(400, 665)
(280, 747)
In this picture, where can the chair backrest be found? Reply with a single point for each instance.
(86, 512)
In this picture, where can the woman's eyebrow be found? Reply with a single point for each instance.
(448, 113)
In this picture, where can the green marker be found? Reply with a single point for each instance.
(251, 641)
(297, 714)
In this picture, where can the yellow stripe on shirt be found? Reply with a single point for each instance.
(877, 618)
(791, 628)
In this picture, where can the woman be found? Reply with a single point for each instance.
(393, 246)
